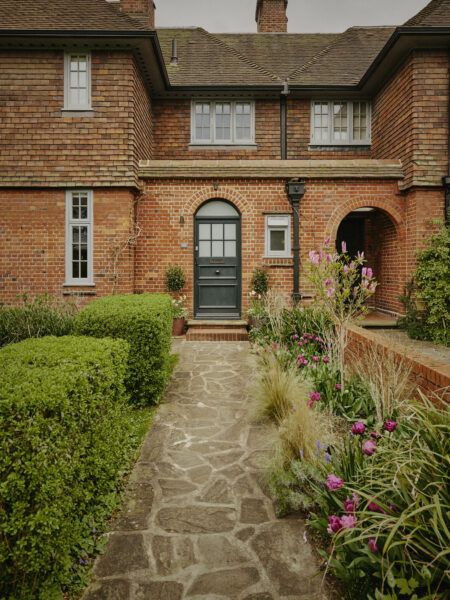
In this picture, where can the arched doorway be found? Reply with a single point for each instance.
(217, 261)
(372, 231)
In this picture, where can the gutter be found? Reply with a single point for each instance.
(446, 180)
(283, 121)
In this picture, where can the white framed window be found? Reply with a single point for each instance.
(77, 81)
(340, 123)
(227, 122)
(79, 237)
(278, 236)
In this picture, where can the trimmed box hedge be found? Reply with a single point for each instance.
(64, 442)
(145, 321)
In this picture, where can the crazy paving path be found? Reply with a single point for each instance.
(197, 522)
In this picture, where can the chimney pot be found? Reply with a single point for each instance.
(271, 16)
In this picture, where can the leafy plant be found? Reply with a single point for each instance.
(260, 280)
(175, 279)
(38, 317)
(145, 321)
(433, 283)
(179, 309)
(413, 322)
(342, 286)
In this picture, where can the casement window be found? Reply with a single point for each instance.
(77, 81)
(340, 123)
(222, 123)
(79, 237)
(278, 236)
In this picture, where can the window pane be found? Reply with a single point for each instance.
(83, 235)
(360, 120)
(217, 248)
(202, 122)
(243, 121)
(230, 231)
(321, 122)
(223, 122)
(230, 249)
(83, 212)
(75, 270)
(204, 249)
(204, 231)
(217, 231)
(75, 235)
(83, 273)
(83, 254)
(277, 240)
(340, 124)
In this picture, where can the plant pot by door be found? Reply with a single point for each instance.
(178, 326)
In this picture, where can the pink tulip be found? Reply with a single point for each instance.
(345, 269)
(316, 358)
(349, 506)
(330, 292)
(348, 521)
(335, 524)
(314, 258)
(338, 386)
(369, 447)
(326, 242)
(358, 428)
(334, 483)
(390, 425)
(372, 545)
(310, 403)
(364, 271)
(344, 247)
(369, 273)
(375, 508)
(326, 359)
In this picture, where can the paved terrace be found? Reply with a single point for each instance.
(197, 522)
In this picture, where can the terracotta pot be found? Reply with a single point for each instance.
(178, 326)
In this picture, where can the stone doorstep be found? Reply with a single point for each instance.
(217, 334)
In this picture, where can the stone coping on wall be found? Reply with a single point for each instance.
(428, 374)
(271, 169)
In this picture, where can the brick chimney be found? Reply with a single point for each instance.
(271, 16)
(141, 10)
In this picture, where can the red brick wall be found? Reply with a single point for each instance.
(430, 376)
(323, 207)
(32, 239)
(143, 9)
(272, 16)
(410, 117)
(40, 146)
(143, 120)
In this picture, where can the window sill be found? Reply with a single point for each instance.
(78, 285)
(223, 147)
(339, 147)
(67, 112)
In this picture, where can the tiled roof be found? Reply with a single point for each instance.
(435, 14)
(253, 59)
(95, 15)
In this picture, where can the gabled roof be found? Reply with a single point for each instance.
(254, 59)
(435, 14)
(94, 15)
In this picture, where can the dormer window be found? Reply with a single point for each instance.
(77, 81)
(340, 123)
(222, 123)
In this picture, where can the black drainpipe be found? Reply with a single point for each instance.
(446, 180)
(295, 190)
(283, 120)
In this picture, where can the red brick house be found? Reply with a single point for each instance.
(126, 148)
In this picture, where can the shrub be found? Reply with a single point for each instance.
(260, 280)
(41, 316)
(175, 279)
(145, 321)
(65, 437)
(433, 282)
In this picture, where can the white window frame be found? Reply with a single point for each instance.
(212, 116)
(89, 223)
(67, 62)
(286, 227)
(349, 141)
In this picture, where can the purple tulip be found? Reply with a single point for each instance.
(358, 428)
(335, 524)
(390, 425)
(369, 447)
(372, 545)
(334, 483)
(348, 521)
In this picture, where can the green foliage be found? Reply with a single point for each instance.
(66, 435)
(145, 321)
(433, 282)
(175, 279)
(292, 487)
(413, 322)
(38, 317)
(260, 280)
(404, 503)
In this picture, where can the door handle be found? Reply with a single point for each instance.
(217, 272)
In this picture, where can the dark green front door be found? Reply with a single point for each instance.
(217, 268)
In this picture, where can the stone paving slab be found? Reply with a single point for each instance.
(198, 522)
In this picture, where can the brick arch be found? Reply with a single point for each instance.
(341, 211)
(206, 193)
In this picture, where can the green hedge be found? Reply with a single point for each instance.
(64, 441)
(145, 321)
